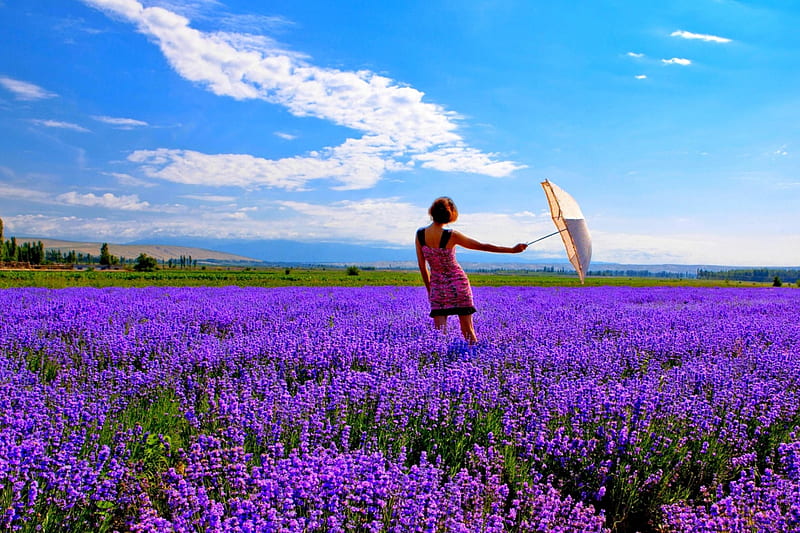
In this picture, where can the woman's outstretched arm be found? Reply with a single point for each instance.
(470, 243)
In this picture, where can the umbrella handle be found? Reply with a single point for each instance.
(543, 238)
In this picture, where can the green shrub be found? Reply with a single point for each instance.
(145, 263)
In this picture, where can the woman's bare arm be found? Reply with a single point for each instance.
(423, 266)
(460, 239)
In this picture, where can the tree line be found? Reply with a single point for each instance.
(34, 254)
(790, 275)
(633, 273)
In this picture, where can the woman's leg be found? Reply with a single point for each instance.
(440, 322)
(467, 328)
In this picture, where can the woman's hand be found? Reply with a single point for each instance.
(520, 247)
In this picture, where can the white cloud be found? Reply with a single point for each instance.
(782, 151)
(70, 228)
(24, 90)
(19, 193)
(461, 158)
(397, 124)
(187, 8)
(128, 180)
(210, 198)
(60, 125)
(286, 136)
(392, 222)
(635, 55)
(107, 200)
(677, 61)
(121, 123)
(696, 248)
(357, 164)
(240, 214)
(641, 77)
(699, 36)
(507, 229)
(385, 220)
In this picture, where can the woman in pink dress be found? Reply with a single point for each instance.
(448, 287)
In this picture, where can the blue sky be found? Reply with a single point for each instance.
(673, 124)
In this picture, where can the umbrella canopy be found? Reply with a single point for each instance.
(569, 220)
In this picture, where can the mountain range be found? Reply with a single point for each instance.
(285, 252)
(162, 252)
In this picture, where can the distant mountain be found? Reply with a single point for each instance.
(279, 251)
(286, 251)
(162, 252)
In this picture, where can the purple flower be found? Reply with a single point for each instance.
(340, 409)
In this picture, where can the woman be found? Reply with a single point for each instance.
(448, 287)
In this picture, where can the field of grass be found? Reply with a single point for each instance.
(322, 277)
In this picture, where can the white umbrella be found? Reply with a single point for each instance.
(571, 224)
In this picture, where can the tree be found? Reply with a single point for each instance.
(36, 254)
(145, 263)
(31, 252)
(776, 282)
(105, 255)
(106, 259)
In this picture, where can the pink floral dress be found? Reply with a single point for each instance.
(451, 293)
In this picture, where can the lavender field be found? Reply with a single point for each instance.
(341, 409)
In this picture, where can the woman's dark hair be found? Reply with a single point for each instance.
(443, 210)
